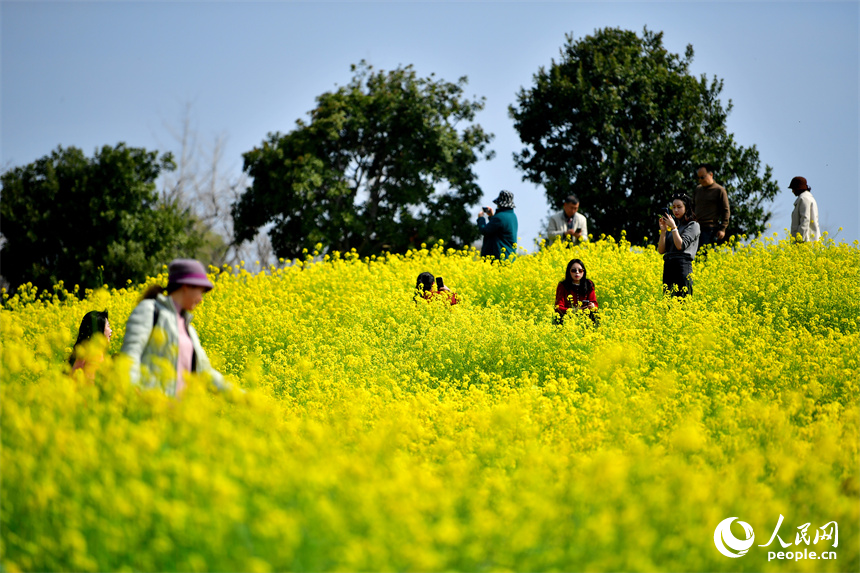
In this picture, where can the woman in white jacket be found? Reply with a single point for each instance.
(159, 338)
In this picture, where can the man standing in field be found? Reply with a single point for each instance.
(500, 232)
(568, 223)
(711, 204)
(804, 218)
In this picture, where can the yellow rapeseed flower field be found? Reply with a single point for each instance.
(379, 434)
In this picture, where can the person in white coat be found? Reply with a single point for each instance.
(568, 223)
(804, 218)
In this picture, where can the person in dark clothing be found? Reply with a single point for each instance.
(711, 203)
(500, 232)
(678, 244)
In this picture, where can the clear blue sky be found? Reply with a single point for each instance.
(87, 74)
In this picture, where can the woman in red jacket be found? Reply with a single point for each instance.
(576, 291)
(426, 285)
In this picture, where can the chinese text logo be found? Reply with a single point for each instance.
(731, 546)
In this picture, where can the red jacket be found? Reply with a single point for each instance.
(568, 299)
(445, 294)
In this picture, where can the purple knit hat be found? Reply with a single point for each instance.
(188, 272)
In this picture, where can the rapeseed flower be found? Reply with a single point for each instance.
(377, 434)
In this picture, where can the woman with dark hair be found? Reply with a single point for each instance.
(678, 244)
(424, 288)
(94, 324)
(576, 291)
(164, 360)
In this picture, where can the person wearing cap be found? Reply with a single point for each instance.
(712, 206)
(159, 340)
(804, 218)
(568, 223)
(500, 232)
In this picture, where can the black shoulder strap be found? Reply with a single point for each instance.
(155, 312)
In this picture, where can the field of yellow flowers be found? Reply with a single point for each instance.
(380, 434)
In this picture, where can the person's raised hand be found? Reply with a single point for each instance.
(670, 222)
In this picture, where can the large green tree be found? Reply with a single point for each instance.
(621, 122)
(90, 221)
(385, 163)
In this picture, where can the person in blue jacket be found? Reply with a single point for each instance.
(500, 232)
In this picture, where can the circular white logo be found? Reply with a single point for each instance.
(725, 541)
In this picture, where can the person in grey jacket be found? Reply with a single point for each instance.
(678, 244)
(500, 232)
(159, 339)
(568, 223)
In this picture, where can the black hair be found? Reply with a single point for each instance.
(706, 166)
(585, 286)
(689, 214)
(573, 199)
(94, 322)
(424, 284)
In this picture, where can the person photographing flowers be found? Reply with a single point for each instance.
(679, 240)
(429, 288)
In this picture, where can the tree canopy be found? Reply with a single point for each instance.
(383, 164)
(621, 122)
(90, 221)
